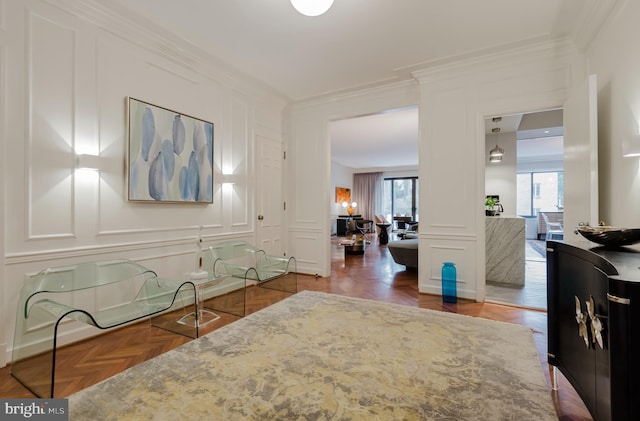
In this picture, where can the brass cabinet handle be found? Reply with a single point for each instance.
(618, 300)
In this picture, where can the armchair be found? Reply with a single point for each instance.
(364, 226)
(553, 228)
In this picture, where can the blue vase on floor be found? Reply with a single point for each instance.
(449, 293)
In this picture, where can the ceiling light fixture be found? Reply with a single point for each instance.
(312, 7)
(496, 154)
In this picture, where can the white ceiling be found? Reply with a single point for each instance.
(360, 43)
(541, 149)
(383, 140)
(357, 42)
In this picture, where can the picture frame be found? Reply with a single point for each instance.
(343, 194)
(169, 155)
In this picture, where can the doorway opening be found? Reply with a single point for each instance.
(529, 179)
(382, 146)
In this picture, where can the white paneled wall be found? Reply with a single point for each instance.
(66, 70)
(618, 87)
(455, 100)
(448, 227)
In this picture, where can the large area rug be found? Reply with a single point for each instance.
(317, 356)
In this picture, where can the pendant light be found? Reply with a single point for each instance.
(312, 7)
(496, 154)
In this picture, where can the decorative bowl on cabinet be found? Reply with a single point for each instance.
(610, 236)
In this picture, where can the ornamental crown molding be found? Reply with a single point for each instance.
(119, 21)
(533, 50)
(593, 19)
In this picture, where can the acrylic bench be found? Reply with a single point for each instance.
(242, 260)
(103, 294)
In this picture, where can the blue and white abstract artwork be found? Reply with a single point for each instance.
(170, 155)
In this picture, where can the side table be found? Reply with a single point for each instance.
(383, 237)
(202, 315)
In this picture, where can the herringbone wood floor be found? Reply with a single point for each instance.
(373, 276)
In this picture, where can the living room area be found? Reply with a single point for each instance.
(374, 174)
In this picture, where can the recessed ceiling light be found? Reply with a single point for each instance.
(546, 132)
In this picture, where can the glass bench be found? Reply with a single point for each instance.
(243, 261)
(103, 294)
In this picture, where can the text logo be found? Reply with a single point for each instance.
(34, 409)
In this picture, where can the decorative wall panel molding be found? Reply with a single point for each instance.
(119, 21)
(461, 253)
(238, 160)
(97, 252)
(310, 160)
(51, 108)
(449, 159)
(308, 257)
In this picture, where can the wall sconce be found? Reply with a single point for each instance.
(88, 162)
(230, 179)
(350, 207)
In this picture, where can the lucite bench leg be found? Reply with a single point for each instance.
(35, 370)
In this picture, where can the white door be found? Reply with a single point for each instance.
(270, 205)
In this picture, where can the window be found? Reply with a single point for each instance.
(540, 192)
(536, 190)
(400, 197)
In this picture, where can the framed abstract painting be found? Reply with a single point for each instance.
(169, 155)
(343, 194)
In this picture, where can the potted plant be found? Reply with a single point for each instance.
(490, 203)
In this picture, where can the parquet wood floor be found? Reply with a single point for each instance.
(373, 276)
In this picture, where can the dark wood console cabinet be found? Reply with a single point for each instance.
(606, 375)
(342, 224)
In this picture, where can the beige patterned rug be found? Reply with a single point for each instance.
(317, 356)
